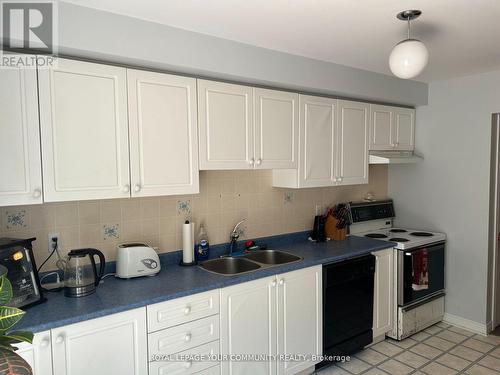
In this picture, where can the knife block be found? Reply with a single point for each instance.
(332, 231)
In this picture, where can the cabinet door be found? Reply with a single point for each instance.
(276, 129)
(225, 125)
(404, 120)
(248, 325)
(163, 134)
(84, 131)
(300, 318)
(20, 165)
(352, 143)
(381, 127)
(317, 134)
(38, 354)
(114, 344)
(382, 304)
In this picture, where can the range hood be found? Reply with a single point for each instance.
(394, 157)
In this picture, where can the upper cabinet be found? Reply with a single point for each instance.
(392, 128)
(20, 165)
(333, 144)
(244, 128)
(352, 143)
(163, 134)
(84, 131)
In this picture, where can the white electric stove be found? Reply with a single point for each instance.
(415, 307)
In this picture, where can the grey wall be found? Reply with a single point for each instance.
(449, 191)
(89, 33)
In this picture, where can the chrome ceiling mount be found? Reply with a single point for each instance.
(409, 15)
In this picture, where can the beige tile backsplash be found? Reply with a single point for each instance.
(225, 197)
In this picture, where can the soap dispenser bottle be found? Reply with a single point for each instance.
(202, 250)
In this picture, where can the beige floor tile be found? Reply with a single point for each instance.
(461, 331)
(439, 343)
(371, 356)
(406, 343)
(395, 368)
(433, 329)
(387, 348)
(434, 368)
(411, 359)
(451, 336)
(420, 336)
(490, 362)
(453, 361)
(443, 325)
(466, 353)
(480, 346)
(490, 339)
(375, 371)
(426, 351)
(496, 353)
(354, 366)
(480, 370)
(332, 370)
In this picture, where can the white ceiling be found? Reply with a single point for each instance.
(463, 36)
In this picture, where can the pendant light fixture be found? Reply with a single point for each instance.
(410, 56)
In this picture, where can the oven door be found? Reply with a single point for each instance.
(407, 292)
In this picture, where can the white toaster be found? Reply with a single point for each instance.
(136, 259)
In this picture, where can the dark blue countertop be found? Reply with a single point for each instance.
(115, 295)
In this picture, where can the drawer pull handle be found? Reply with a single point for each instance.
(187, 310)
(44, 343)
(59, 339)
(282, 281)
(187, 337)
(188, 364)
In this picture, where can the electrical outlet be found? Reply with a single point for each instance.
(319, 209)
(53, 243)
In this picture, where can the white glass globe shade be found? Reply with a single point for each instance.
(408, 58)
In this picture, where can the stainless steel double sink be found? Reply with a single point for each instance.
(258, 259)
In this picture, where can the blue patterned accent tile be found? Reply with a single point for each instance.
(184, 207)
(111, 231)
(15, 220)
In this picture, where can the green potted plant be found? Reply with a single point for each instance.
(11, 363)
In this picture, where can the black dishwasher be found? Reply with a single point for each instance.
(347, 306)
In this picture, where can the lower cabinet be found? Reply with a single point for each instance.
(271, 318)
(383, 294)
(38, 354)
(114, 344)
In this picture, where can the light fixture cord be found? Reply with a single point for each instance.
(408, 27)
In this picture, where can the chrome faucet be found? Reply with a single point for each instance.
(233, 237)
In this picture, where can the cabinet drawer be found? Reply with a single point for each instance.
(184, 336)
(188, 366)
(182, 310)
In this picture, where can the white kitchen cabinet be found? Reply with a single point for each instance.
(163, 134)
(38, 354)
(391, 128)
(276, 129)
(248, 325)
(20, 164)
(242, 127)
(383, 293)
(352, 143)
(300, 320)
(225, 125)
(114, 344)
(272, 316)
(84, 131)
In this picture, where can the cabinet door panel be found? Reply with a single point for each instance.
(38, 354)
(405, 123)
(248, 325)
(225, 125)
(91, 347)
(163, 134)
(300, 317)
(83, 116)
(276, 129)
(20, 164)
(381, 127)
(352, 143)
(383, 287)
(317, 133)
